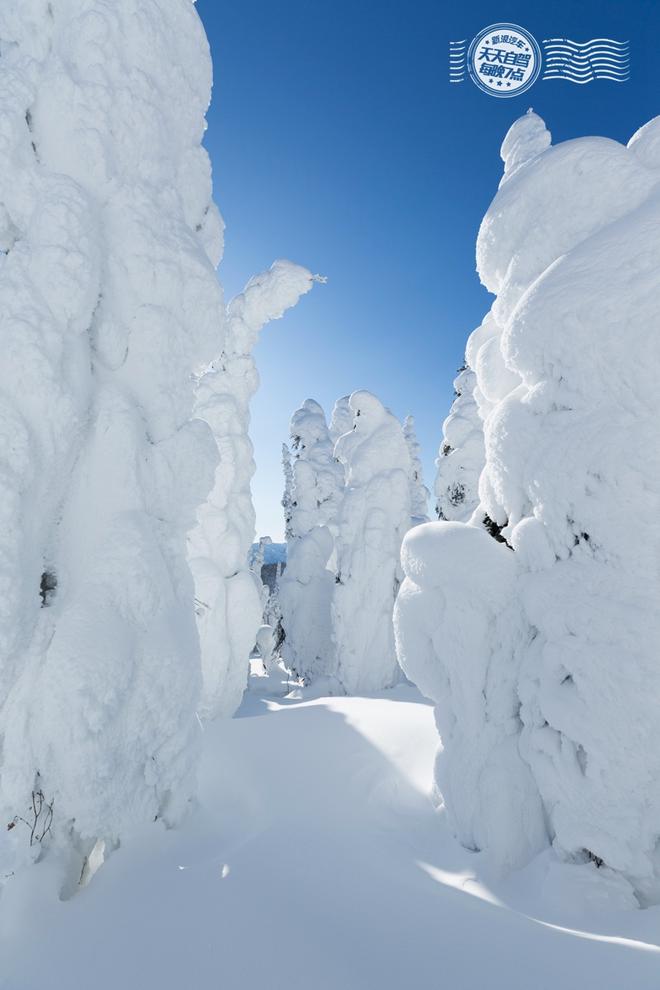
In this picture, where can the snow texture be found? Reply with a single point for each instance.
(306, 588)
(108, 303)
(374, 517)
(568, 360)
(347, 839)
(419, 493)
(228, 599)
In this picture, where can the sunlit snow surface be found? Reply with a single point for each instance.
(316, 860)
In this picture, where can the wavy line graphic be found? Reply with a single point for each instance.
(457, 53)
(583, 62)
(586, 44)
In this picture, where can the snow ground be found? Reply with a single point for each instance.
(315, 860)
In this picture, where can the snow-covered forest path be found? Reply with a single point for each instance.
(315, 860)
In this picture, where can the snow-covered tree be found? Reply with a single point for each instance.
(229, 609)
(419, 493)
(318, 478)
(108, 303)
(461, 455)
(258, 558)
(306, 588)
(287, 497)
(341, 420)
(265, 644)
(273, 610)
(568, 662)
(453, 619)
(374, 517)
(258, 555)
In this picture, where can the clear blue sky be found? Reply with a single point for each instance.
(338, 142)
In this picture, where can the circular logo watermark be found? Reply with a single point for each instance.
(504, 60)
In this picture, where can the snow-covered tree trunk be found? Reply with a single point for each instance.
(229, 608)
(419, 493)
(307, 585)
(108, 303)
(374, 517)
(568, 661)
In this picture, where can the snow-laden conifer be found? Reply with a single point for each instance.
(419, 493)
(375, 515)
(567, 665)
(287, 496)
(461, 455)
(307, 585)
(229, 606)
(108, 303)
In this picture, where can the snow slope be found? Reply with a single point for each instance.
(324, 866)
